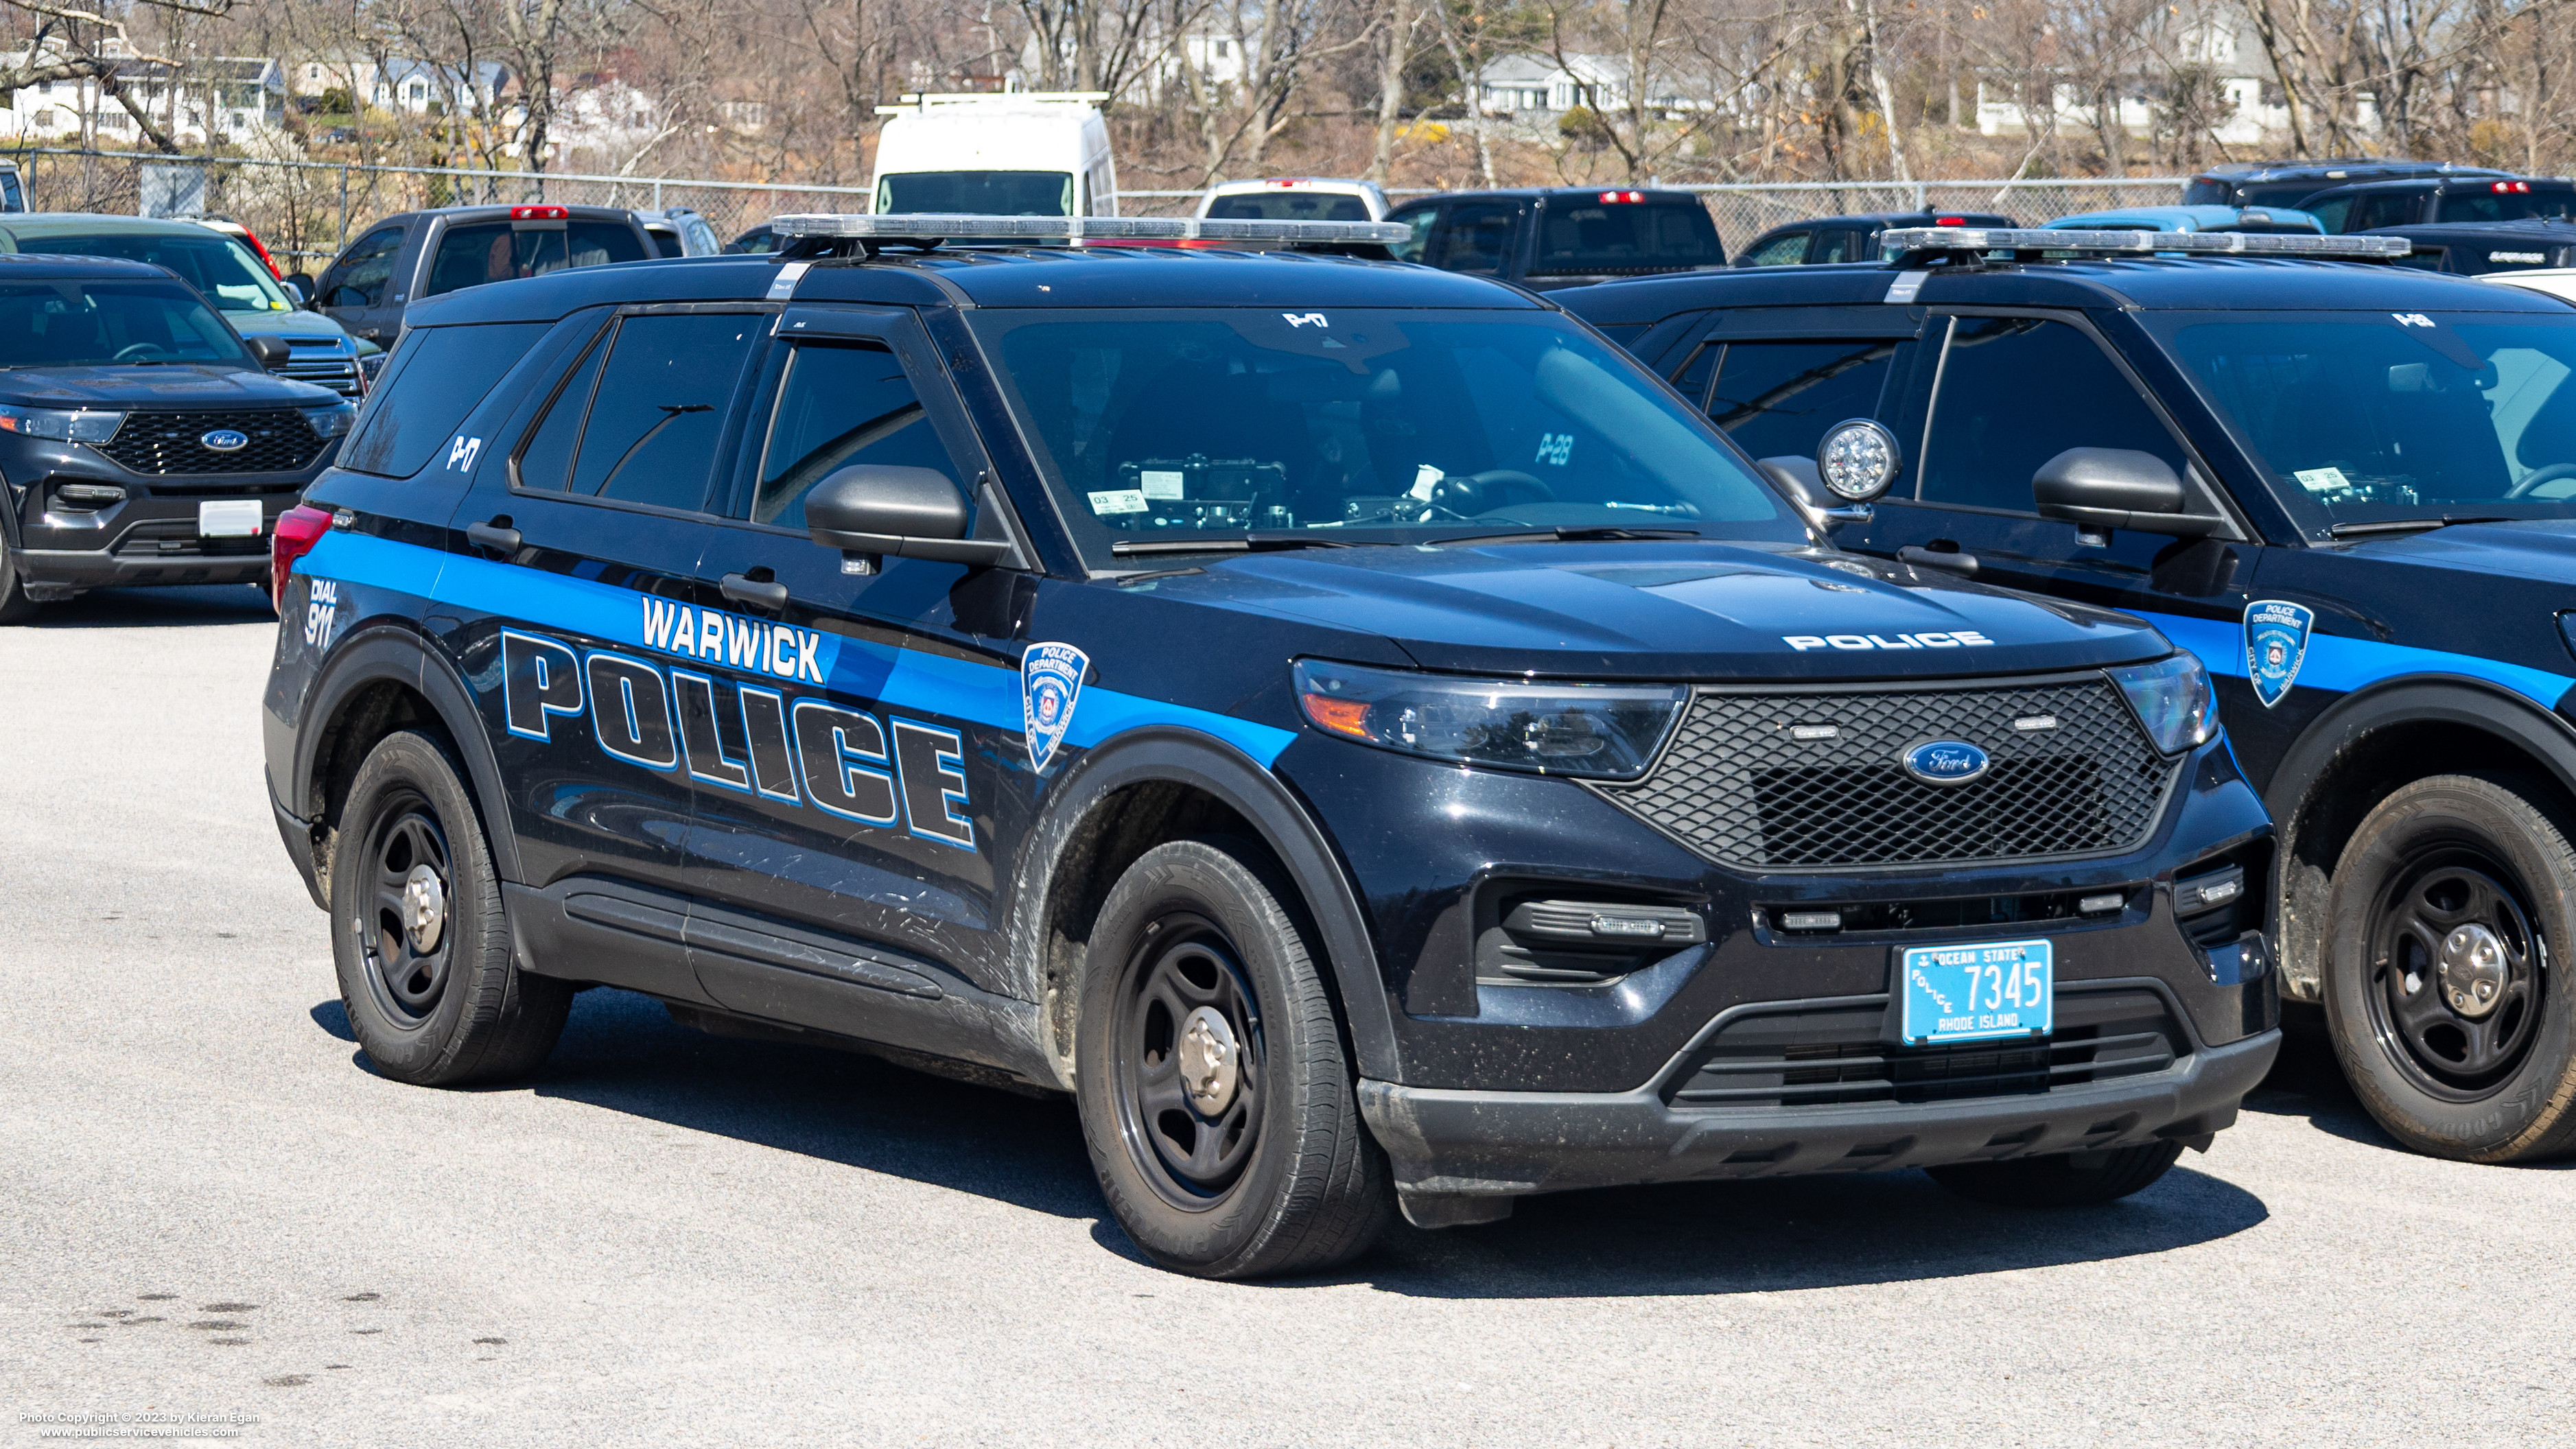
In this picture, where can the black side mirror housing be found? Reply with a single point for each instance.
(2107, 488)
(871, 508)
(272, 352)
(302, 286)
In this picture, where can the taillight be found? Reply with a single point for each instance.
(2513, 186)
(540, 213)
(1608, 197)
(1949, 221)
(298, 529)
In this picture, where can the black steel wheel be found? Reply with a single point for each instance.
(426, 967)
(2453, 908)
(1189, 1062)
(1217, 1099)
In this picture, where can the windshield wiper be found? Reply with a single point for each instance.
(1235, 544)
(1563, 534)
(2411, 525)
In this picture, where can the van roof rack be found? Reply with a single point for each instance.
(925, 230)
(1914, 246)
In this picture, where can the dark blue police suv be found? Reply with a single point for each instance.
(1345, 723)
(2348, 487)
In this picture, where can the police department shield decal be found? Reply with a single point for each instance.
(1050, 686)
(2276, 642)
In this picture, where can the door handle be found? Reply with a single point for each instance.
(759, 593)
(497, 536)
(1924, 558)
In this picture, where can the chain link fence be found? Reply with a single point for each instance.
(308, 210)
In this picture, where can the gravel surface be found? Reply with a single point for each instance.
(209, 1206)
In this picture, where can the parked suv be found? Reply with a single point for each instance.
(142, 441)
(1544, 239)
(1346, 724)
(2441, 198)
(406, 258)
(2291, 183)
(2348, 487)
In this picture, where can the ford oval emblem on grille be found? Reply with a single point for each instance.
(224, 440)
(1945, 762)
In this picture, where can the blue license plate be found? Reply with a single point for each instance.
(1976, 992)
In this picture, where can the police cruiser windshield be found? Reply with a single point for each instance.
(2374, 421)
(102, 324)
(1167, 429)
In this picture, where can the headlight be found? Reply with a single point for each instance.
(1605, 731)
(2173, 700)
(59, 425)
(332, 422)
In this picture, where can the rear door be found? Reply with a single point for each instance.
(584, 526)
(854, 737)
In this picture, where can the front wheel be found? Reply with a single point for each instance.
(422, 948)
(1216, 1098)
(2454, 906)
(2064, 1179)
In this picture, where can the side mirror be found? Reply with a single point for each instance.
(869, 508)
(302, 286)
(2099, 489)
(272, 352)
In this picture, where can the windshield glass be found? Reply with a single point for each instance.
(2375, 416)
(213, 263)
(497, 251)
(1626, 236)
(1171, 427)
(94, 324)
(977, 193)
(1289, 206)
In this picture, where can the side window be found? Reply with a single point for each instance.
(432, 382)
(840, 403)
(358, 278)
(2386, 208)
(2331, 212)
(1787, 249)
(1777, 398)
(493, 251)
(1692, 381)
(1843, 244)
(1415, 247)
(640, 417)
(2016, 392)
(1474, 236)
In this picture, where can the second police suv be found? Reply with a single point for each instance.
(1346, 724)
(2347, 486)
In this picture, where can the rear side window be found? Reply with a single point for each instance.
(1787, 249)
(1627, 236)
(469, 256)
(433, 380)
(2016, 392)
(1846, 244)
(1289, 206)
(1777, 398)
(640, 417)
(358, 278)
(2385, 208)
(840, 403)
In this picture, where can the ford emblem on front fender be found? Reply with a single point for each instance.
(1945, 762)
(224, 440)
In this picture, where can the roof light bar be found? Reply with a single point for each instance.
(2143, 243)
(936, 226)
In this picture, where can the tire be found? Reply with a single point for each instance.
(443, 1005)
(1196, 950)
(2065, 1179)
(15, 606)
(2464, 887)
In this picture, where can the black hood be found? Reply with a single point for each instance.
(120, 388)
(1678, 611)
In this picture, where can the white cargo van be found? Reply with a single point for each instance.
(1035, 153)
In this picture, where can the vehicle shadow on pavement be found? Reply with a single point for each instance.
(2307, 1081)
(159, 607)
(622, 1052)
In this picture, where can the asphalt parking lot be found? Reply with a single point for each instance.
(208, 1206)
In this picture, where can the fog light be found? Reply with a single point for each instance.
(2097, 905)
(1626, 926)
(1811, 920)
(88, 495)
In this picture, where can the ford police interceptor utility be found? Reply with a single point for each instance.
(2348, 487)
(1344, 722)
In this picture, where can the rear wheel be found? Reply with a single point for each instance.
(15, 606)
(1216, 1097)
(2065, 1179)
(2454, 905)
(417, 932)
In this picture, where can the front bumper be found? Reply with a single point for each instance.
(1507, 1144)
(56, 573)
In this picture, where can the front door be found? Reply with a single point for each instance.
(357, 290)
(854, 738)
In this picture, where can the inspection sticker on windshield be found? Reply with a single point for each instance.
(1976, 992)
(1156, 483)
(2322, 480)
(1119, 500)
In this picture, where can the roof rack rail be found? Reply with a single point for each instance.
(929, 229)
(1912, 245)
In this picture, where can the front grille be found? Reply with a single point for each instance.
(1835, 1056)
(340, 374)
(163, 444)
(1735, 786)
